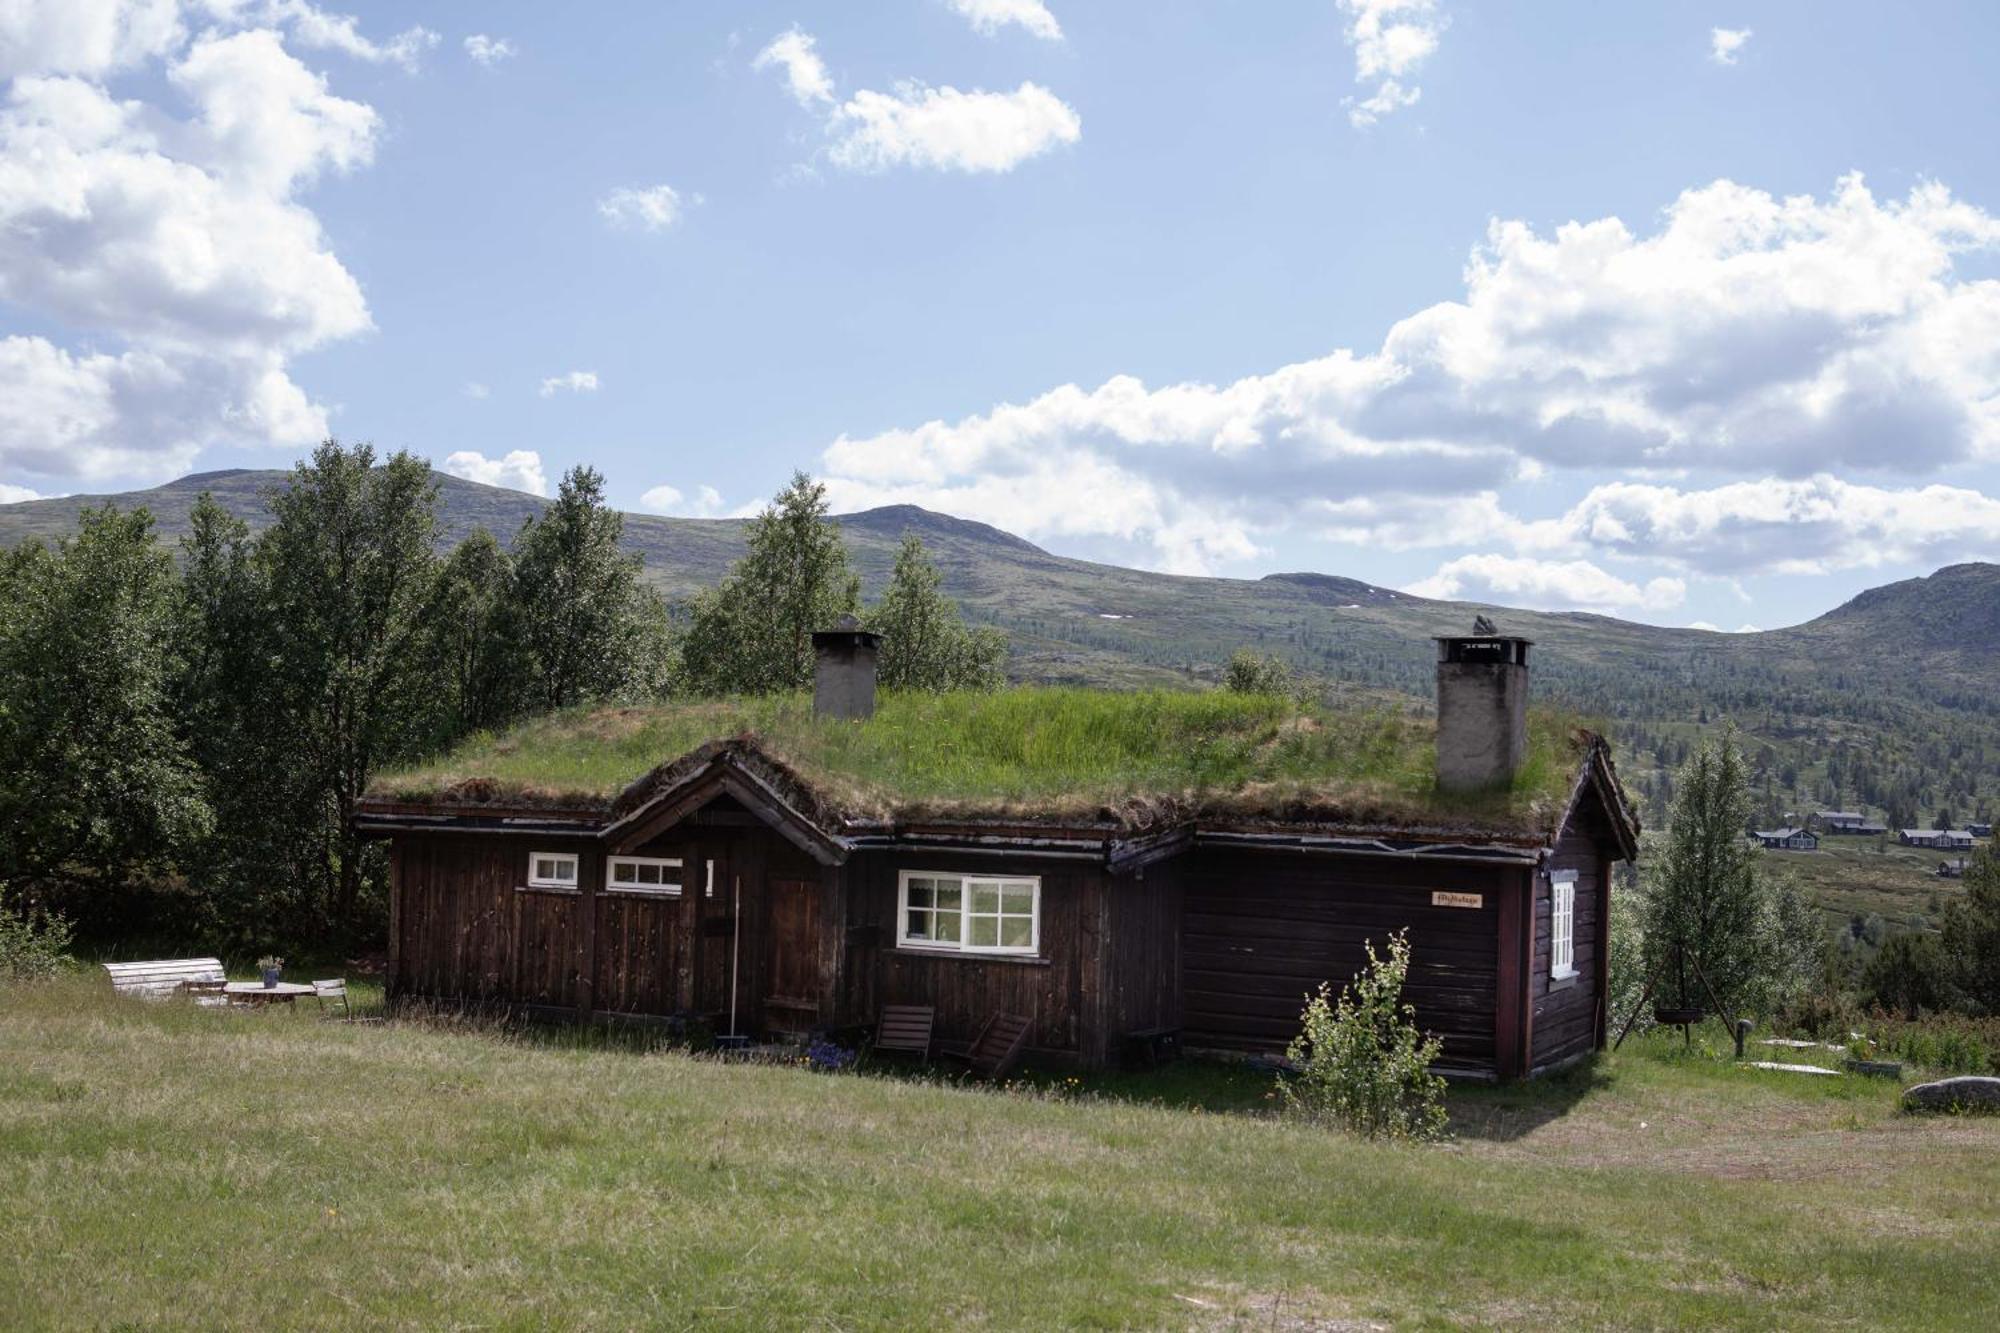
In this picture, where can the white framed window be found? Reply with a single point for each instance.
(658, 876)
(975, 914)
(1562, 925)
(552, 870)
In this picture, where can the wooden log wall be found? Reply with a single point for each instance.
(1142, 953)
(1262, 929)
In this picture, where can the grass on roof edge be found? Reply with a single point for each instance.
(1026, 750)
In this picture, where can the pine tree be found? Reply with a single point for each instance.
(926, 645)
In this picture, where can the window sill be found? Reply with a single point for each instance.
(1561, 979)
(560, 892)
(674, 896)
(970, 956)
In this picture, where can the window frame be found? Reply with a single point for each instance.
(965, 879)
(574, 884)
(1562, 925)
(635, 890)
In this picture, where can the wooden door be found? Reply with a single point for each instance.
(791, 954)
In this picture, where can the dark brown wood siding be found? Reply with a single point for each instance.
(1262, 929)
(1142, 953)
(1568, 1019)
(1059, 991)
(466, 930)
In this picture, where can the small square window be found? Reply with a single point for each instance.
(552, 870)
(653, 875)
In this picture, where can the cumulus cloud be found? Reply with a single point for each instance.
(1726, 44)
(170, 236)
(706, 502)
(988, 17)
(489, 51)
(10, 494)
(1745, 334)
(916, 125)
(1391, 40)
(576, 381)
(1547, 585)
(649, 208)
(793, 52)
(520, 470)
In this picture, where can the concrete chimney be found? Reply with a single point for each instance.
(1482, 684)
(844, 670)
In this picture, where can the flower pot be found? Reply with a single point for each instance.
(271, 977)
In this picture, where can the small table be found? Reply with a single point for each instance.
(256, 992)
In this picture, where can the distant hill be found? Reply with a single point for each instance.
(1899, 685)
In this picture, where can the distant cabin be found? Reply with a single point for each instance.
(1788, 839)
(1950, 839)
(1848, 823)
(1980, 830)
(1952, 869)
(776, 876)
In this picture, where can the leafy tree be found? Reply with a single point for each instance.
(753, 633)
(1969, 935)
(96, 785)
(925, 644)
(576, 615)
(1360, 1061)
(347, 567)
(1251, 672)
(1907, 976)
(1708, 910)
(466, 649)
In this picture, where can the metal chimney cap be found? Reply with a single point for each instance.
(847, 632)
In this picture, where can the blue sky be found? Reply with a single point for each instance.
(1683, 312)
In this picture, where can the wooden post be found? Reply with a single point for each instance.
(1509, 985)
(590, 870)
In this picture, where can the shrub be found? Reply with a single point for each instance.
(1360, 1062)
(1944, 1043)
(34, 945)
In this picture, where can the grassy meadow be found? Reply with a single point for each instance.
(166, 1167)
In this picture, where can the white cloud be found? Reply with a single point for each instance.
(1548, 585)
(920, 126)
(489, 51)
(520, 470)
(1391, 39)
(576, 381)
(168, 238)
(1747, 334)
(705, 503)
(474, 389)
(949, 130)
(1726, 44)
(987, 17)
(650, 208)
(10, 494)
(805, 73)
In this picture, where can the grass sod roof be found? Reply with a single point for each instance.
(1029, 754)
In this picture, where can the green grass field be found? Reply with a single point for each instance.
(164, 1167)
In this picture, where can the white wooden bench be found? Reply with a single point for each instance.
(165, 978)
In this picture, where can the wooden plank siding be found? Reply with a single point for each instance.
(1262, 929)
(1569, 1020)
(1049, 990)
(1142, 955)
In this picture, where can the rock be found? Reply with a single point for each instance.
(1971, 1092)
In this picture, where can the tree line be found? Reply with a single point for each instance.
(183, 742)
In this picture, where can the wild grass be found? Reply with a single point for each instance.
(162, 1166)
(1051, 746)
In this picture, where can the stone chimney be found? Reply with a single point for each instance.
(1482, 684)
(844, 670)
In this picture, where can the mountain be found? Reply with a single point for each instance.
(1893, 695)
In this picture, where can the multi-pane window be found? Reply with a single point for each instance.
(969, 913)
(552, 870)
(1562, 925)
(643, 874)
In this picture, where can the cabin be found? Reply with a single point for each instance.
(774, 872)
(1848, 823)
(1948, 839)
(1952, 869)
(1788, 839)
(1980, 830)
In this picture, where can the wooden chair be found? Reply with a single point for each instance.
(206, 994)
(997, 1048)
(164, 978)
(905, 1028)
(328, 991)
